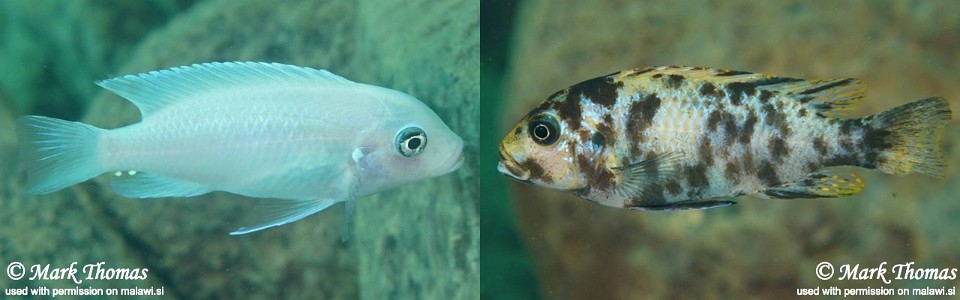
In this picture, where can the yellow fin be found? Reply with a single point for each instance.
(818, 185)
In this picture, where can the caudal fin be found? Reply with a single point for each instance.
(910, 137)
(57, 153)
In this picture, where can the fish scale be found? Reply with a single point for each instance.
(668, 138)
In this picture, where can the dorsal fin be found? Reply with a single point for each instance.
(154, 90)
(830, 98)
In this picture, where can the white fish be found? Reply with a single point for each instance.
(303, 137)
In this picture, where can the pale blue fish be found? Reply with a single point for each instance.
(304, 138)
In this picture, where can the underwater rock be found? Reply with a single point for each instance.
(759, 248)
(57, 48)
(419, 241)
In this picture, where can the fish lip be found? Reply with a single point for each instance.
(508, 166)
(458, 163)
(456, 160)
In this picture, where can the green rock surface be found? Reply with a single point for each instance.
(53, 50)
(418, 241)
(903, 50)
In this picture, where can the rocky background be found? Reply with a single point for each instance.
(418, 241)
(903, 50)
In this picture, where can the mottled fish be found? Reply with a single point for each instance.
(669, 138)
(304, 138)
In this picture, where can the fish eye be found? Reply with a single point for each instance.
(544, 130)
(410, 141)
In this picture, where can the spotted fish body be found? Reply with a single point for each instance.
(687, 137)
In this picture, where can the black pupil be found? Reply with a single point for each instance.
(541, 131)
(413, 143)
(544, 131)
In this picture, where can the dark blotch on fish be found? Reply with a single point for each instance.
(747, 164)
(536, 170)
(600, 90)
(674, 81)
(846, 126)
(778, 149)
(765, 95)
(802, 112)
(875, 140)
(708, 90)
(706, 153)
(673, 187)
(746, 133)
(713, 120)
(697, 176)
(768, 110)
(739, 90)
(729, 127)
(641, 115)
(820, 145)
(775, 119)
(847, 144)
(570, 110)
(768, 174)
(731, 172)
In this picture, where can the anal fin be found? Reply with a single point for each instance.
(275, 212)
(818, 185)
(134, 184)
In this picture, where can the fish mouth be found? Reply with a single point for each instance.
(458, 163)
(456, 160)
(508, 166)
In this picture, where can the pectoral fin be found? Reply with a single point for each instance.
(818, 185)
(348, 219)
(640, 180)
(351, 201)
(275, 212)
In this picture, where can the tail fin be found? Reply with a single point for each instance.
(57, 153)
(911, 137)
